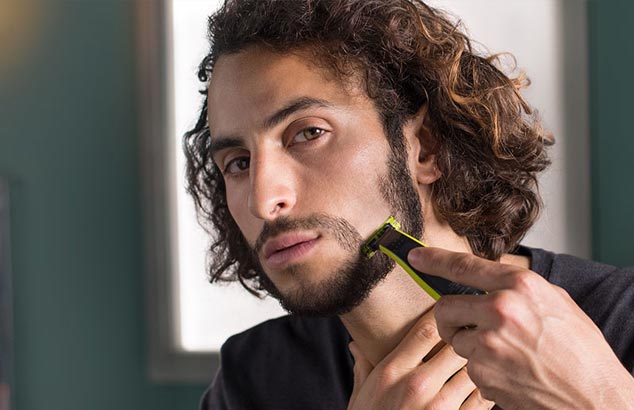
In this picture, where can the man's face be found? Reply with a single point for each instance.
(309, 176)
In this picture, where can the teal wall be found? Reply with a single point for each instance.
(69, 145)
(611, 27)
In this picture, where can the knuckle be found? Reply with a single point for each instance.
(484, 403)
(358, 372)
(476, 373)
(485, 389)
(442, 308)
(440, 402)
(426, 331)
(524, 282)
(387, 376)
(462, 265)
(487, 394)
(415, 386)
(562, 292)
(488, 340)
(502, 305)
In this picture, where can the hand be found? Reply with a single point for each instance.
(414, 376)
(528, 344)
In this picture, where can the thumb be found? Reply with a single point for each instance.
(362, 368)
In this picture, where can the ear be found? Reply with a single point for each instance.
(422, 148)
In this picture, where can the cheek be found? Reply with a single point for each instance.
(238, 208)
(363, 171)
(351, 186)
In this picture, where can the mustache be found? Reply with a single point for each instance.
(342, 230)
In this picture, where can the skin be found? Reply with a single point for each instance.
(519, 343)
(328, 158)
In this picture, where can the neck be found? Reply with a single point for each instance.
(384, 318)
(394, 305)
(379, 324)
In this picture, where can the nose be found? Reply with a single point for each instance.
(272, 192)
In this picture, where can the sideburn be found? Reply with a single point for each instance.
(398, 187)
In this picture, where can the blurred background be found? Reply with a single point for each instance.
(71, 155)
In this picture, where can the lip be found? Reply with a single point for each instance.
(287, 248)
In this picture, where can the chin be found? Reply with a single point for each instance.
(337, 292)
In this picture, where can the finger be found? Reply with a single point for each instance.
(445, 363)
(443, 366)
(462, 268)
(456, 390)
(476, 402)
(362, 368)
(465, 342)
(457, 312)
(416, 344)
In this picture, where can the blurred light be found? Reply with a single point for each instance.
(19, 26)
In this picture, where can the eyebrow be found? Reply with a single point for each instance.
(220, 143)
(292, 107)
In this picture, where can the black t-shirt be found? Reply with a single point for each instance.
(304, 363)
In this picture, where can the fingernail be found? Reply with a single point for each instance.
(352, 346)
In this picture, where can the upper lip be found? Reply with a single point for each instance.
(286, 241)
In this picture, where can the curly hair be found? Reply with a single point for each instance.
(488, 143)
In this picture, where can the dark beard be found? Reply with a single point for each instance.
(357, 277)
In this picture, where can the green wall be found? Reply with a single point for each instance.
(611, 27)
(70, 148)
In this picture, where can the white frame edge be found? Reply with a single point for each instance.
(166, 362)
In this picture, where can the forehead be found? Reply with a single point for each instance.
(247, 87)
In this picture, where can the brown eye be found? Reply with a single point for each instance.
(237, 165)
(309, 134)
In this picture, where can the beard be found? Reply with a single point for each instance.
(357, 277)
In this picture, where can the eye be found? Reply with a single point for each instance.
(237, 165)
(309, 134)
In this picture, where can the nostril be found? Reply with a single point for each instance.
(278, 207)
(271, 193)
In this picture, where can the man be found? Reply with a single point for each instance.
(323, 118)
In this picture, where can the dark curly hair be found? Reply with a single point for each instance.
(488, 143)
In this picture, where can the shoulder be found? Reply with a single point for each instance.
(287, 332)
(577, 275)
(289, 362)
(289, 344)
(292, 324)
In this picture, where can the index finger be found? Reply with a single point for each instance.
(462, 268)
(417, 343)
